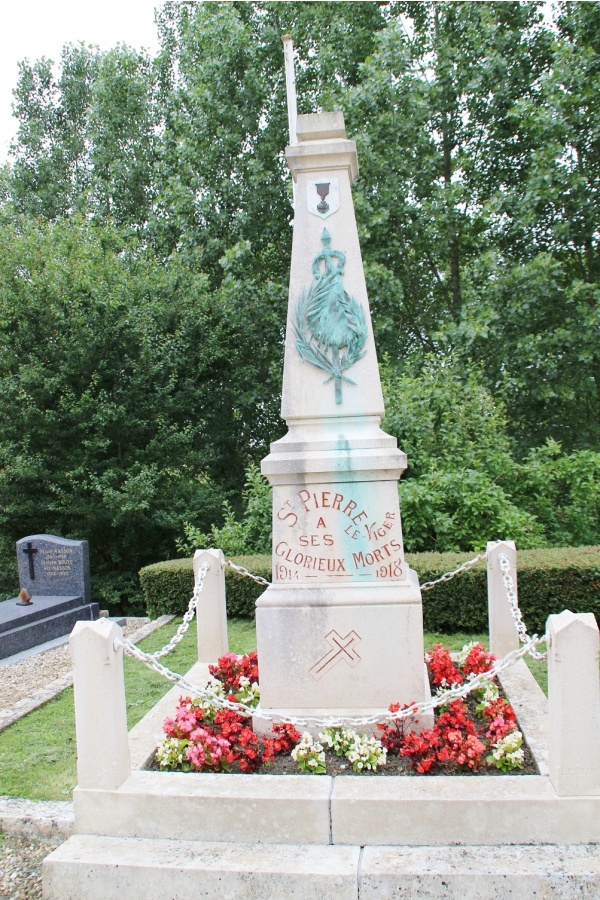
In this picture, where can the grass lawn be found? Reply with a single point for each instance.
(37, 753)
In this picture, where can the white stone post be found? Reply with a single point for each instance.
(211, 613)
(574, 703)
(503, 632)
(100, 713)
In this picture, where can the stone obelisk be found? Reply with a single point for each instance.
(340, 629)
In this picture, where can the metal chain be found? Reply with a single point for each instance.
(450, 575)
(415, 709)
(187, 619)
(511, 596)
(150, 660)
(244, 571)
(424, 587)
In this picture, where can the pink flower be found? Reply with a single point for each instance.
(196, 755)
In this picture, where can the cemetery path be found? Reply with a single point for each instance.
(26, 684)
(24, 678)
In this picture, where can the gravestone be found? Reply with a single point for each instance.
(54, 573)
(54, 566)
(340, 629)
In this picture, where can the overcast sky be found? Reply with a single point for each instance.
(32, 28)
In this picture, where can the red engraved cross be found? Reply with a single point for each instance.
(342, 648)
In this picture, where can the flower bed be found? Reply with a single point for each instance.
(475, 736)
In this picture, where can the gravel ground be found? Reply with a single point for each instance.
(21, 865)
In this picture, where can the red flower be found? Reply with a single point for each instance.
(287, 737)
(393, 736)
(441, 667)
(478, 660)
(230, 668)
(453, 743)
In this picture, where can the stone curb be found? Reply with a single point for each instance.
(27, 704)
(36, 818)
(12, 714)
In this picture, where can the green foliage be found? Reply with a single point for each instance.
(443, 416)
(549, 319)
(549, 581)
(457, 509)
(167, 586)
(455, 437)
(480, 236)
(144, 254)
(228, 537)
(465, 484)
(103, 432)
(49, 176)
(563, 491)
(252, 534)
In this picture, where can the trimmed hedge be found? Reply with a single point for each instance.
(548, 582)
(168, 586)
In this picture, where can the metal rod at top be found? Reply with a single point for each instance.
(290, 86)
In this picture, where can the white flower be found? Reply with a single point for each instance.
(508, 751)
(461, 656)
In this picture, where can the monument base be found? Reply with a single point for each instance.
(347, 659)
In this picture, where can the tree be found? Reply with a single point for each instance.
(533, 310)
(86, 139)
(152, 199)
(50, 172)
(117, 375)
(479, 237)
(122, 138)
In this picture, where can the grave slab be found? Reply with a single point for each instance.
(55, 573)
(47, 619)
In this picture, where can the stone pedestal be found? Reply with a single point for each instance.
(340, 630)
(574, 703)
(211, 612)
(504, 637)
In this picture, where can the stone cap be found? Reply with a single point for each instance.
(324, 126)
(322, 156)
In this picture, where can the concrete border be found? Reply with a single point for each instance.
(167, 833)
(394, 810)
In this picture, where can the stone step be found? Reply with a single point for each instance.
(95, 868)
(40, 630)
(289, 809)
(564, 872)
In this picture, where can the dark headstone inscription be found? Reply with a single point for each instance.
(54, 574)
(54, 566)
